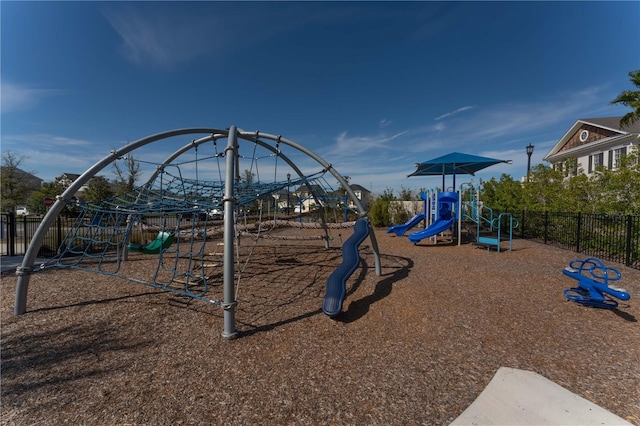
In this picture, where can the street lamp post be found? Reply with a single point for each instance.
(288, 183)
(529, 152)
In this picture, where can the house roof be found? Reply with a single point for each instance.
(307, 189)
(357, 187)
(71, 176)
(612, 123)
(602, 133)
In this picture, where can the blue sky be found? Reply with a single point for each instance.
(372, 87)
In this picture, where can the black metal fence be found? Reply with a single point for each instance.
(16, 233)
(613, 237)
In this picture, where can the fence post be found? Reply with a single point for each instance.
(25, 240)
(627, 257)
(59, 223)
(11, 227)
(546, 225)
(578, 232)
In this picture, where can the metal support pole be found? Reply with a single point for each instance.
(459, 215)
(529, 152)
(11, 227)
(229, 302)
(288, 194)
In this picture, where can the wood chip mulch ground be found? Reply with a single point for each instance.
(415, 345)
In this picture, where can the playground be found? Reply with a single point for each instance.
(415, 345)
(233, 288)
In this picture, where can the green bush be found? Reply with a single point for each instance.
(379, 213)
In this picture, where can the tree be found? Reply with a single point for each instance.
(406, 194)
(128, 175)
(630, 99)
(98, 189)
(581, 195)
(247, 177)
(47, 190)
(379, 211)
(14, 188)
(504, 195)
(545, 189)
(618, 191)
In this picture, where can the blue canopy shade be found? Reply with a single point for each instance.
(454, 164)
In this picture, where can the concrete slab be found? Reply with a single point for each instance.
(519, 397)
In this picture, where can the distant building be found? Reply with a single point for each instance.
(304, 198)
(593, 142)
(66, 179)
(363, 194)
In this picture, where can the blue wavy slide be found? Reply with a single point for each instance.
(435, 228)
(399, 230)
(337, 281)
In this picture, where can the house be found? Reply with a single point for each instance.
(304, 199)
(593, 142)
(66, 179)
(363, 194)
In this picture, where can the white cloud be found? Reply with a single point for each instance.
(458, 111)
(158, 38)
(19, 97)
(384, 123)
(499, 131)
(161, 35)
(50, 155)
(45, 141)
(355, 145)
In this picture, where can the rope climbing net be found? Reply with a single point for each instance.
(181, 233)
(173, 224)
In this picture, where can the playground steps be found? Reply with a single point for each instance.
(490, 240)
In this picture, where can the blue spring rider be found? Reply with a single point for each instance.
(593, 284)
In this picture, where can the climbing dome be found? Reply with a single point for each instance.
(194, 207)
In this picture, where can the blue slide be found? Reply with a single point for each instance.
(436, 227)
(399, 230)
(337, 281)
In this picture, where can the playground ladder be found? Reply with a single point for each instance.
(494, 241)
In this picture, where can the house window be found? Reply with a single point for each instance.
(595, 161)
(559, 166)
(617, 156)
(584, 135)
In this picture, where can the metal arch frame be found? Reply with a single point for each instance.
(24, 271)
